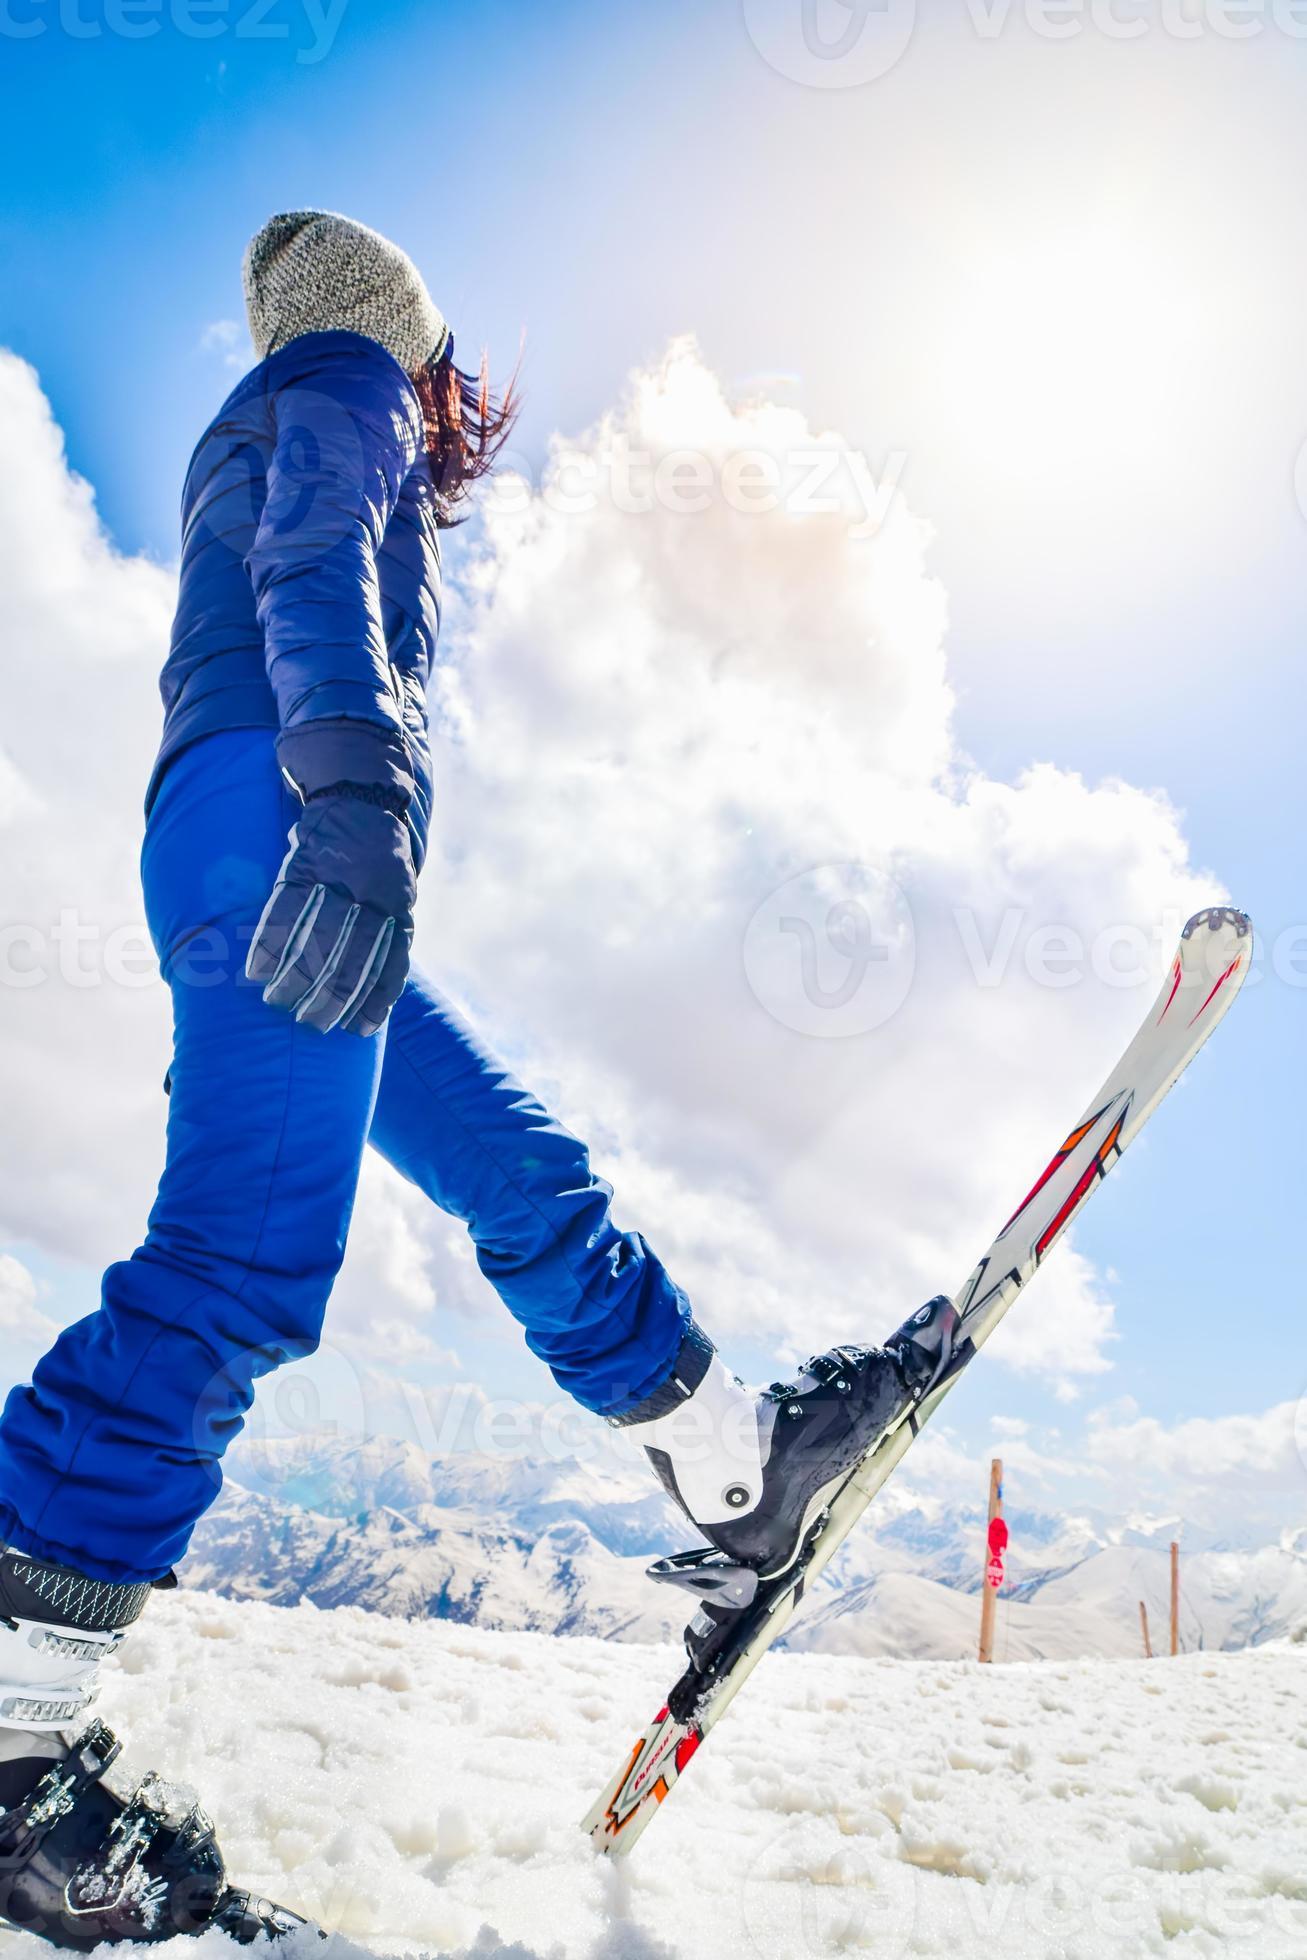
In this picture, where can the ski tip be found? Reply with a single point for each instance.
(1219, 918)
(601, 1836)
(612, 1836)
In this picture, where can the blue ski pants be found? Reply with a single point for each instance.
(111, 1453)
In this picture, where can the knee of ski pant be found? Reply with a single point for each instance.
(226, 1297)
(164, 1362)
(271, 1317)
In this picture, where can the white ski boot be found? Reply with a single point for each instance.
(755, 1469)
(79, 1863)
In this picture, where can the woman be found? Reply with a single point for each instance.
(287, 821)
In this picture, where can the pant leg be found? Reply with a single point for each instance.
(112, 1453)
(597, 1306)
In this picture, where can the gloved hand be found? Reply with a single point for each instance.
(333, 944)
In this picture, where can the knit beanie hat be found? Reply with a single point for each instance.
(316, 272)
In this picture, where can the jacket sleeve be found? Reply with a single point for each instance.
(346, 431)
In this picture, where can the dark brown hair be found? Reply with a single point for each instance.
(467, 425)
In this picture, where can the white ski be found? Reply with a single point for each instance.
(1208, 970)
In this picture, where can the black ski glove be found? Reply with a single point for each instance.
(332, 947)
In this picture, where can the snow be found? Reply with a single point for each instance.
(418, 1785)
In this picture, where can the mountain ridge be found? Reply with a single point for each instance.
(560, 1546)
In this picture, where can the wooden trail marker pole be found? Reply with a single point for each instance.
(995, 1545)
(1175, 1597)
(1143, 1621)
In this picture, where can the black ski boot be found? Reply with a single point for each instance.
(80, 1862)
(754, 1471)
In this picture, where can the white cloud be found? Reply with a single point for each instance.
(654, 720)
(84, 631)
(230, 341)
(1063, 1328)
(943, 1466)
(391, 1288)
(25, 1332)
(649, 722)
(20, 1317)
(1239, 1476)
(1213, 1456)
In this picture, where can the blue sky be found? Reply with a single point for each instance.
(1064, 280)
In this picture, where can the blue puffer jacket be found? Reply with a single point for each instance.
(310, 574)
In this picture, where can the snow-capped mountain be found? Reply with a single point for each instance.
(1229, 1599)
(432, 1562)
(615, 1499)
(561, 1546)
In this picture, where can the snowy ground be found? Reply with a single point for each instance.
(418, 1785)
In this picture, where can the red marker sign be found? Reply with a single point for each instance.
(997, 1547)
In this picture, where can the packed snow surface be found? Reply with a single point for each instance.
(418, 1785)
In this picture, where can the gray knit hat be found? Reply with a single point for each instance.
(316, 272)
